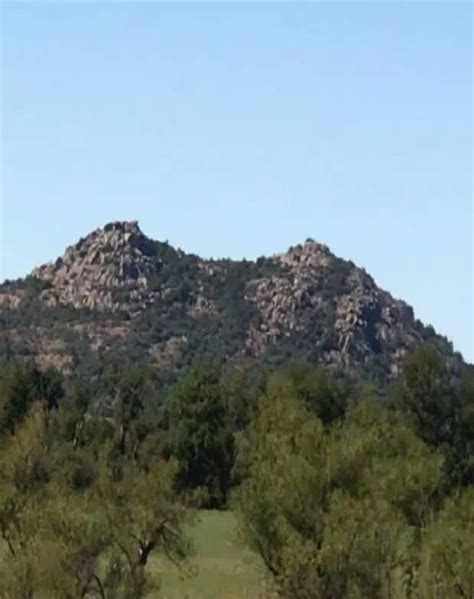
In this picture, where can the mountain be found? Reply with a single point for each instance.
(116, 294)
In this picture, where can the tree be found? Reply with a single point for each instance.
(200, 437)
(334, 512)
(97, 543)
(441, 407)
(446, 569)
(425, 392)
(242, 386)
(129, 392)
(143, 517)
(323, 394)
(25, 470)
(20, 386)
(463, 458)
(80, 522)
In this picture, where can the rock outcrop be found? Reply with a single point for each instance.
(116, 291)
(108, 270)
(365, 320)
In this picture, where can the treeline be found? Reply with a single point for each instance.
(342, 491)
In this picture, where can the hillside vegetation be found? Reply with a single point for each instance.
(117, 296)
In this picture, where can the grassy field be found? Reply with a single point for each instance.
(220, 568)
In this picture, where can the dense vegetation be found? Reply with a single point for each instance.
(341, 490)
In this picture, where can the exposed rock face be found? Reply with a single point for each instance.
(10, 301)
(108, 270)
(365, 320)
(166, 306)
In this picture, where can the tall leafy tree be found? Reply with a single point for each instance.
(446, 568)
(441, 408)
(66, 535)
(200, 436)
(334, 512)
(425, 392)
(20, 386)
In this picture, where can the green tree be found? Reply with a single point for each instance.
(25, 471)
(80, 522)
(334, 512)
(446, 569)
(129, 393)
(200, 436)
(20, 386)
(425, 392)
(441, 407)
(322, 393)
(242, 386)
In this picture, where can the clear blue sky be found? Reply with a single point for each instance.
(240, 129)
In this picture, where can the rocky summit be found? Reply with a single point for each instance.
(116, 258)
(118, 294)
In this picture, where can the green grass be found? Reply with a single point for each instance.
(221, 568)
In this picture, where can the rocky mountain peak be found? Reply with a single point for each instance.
(92, 272)
(310, 254)
(124, 226)
(115, 237)
(173, 306)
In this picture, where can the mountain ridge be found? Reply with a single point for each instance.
(116, 291)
